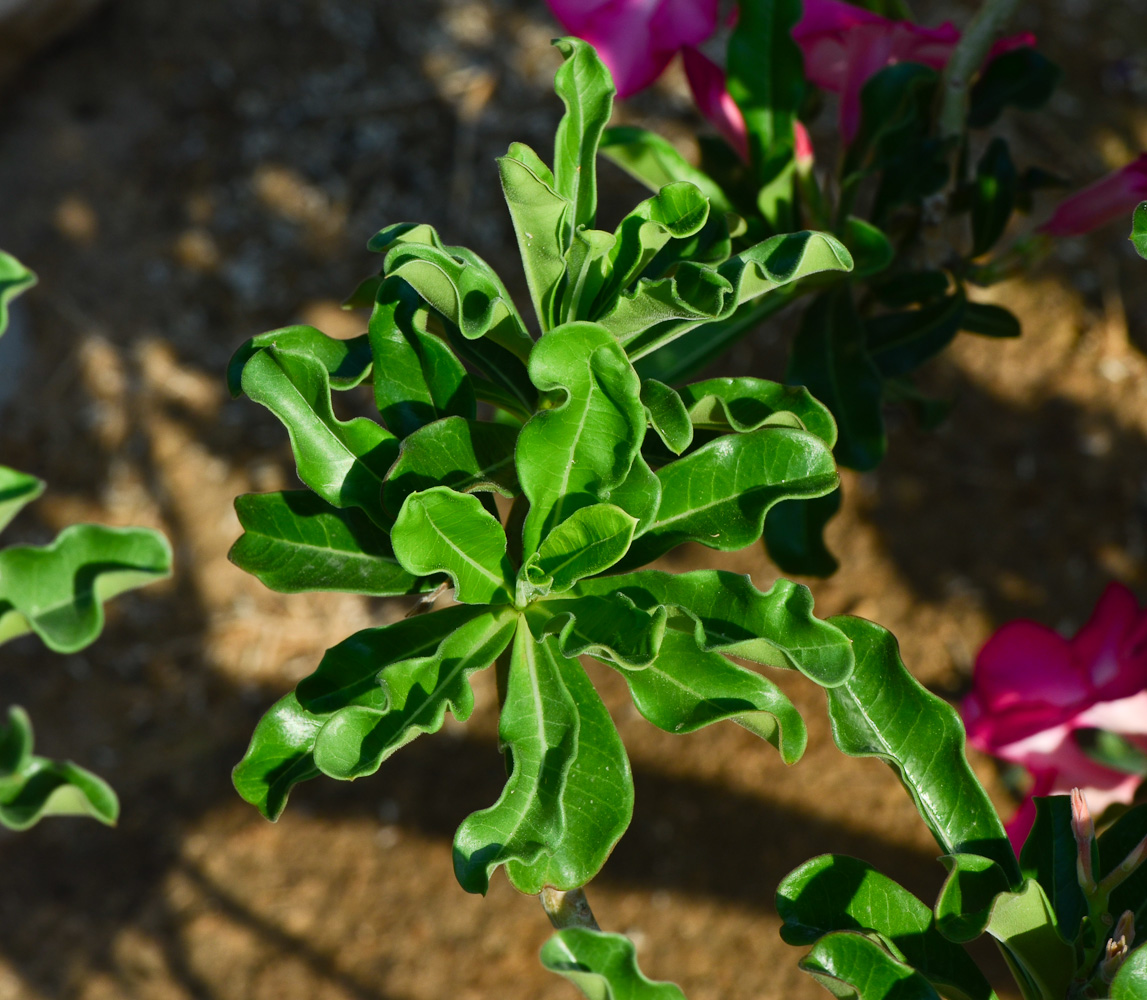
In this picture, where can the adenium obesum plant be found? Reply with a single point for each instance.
(1054, 705)
(57, 591)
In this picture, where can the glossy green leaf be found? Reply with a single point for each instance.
(776, 628)
(883, 711)
(852, 966)
(58, 590)
(1139, 230)
(989, 320)
(541, 220)
(900, 342)
(719, 494)
(344, 462)
(17, 489)
(667, 415)
(417, 377)
(1023, 923)
(346, 362)
(640, 494)
(586, 88)
(505, 371)
(596, 799)
(14, 279)
(295, 542)
(34, 787)
(575, 453)
(415, 694)
(993, 196)
(603, 966)
(655, 162)
(1049, 856)
(1116, 844)
(830, 358)
(1023, 78)
(608, 626)
(658, 311)
(469, 456)
(539, 728)
(838, 893)
(685, 689)
(404, 232)
(746, 404)
(794, 535)
(1130, 981)
(441, 531)
(586, 543)
(964, 905)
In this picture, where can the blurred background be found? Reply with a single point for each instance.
(183, 176)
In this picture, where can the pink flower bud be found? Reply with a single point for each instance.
(1083, 829)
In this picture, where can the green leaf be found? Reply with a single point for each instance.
(415, 694)
(746, 404)
(58, 590)
(964, 905)
(829, 357)
(776, 628)
(989, 321)
(794, 535)
(657, 312)
(883, 711)
(417, 377)
(854, 967)
(685, 689)
(17, 489)
(587, 264)
(608, 626)
(871, 250)
(14, 279)
(640, 494)
(655, 162)
(586, 88)
(34, 787)
(469, 456)
(603, 966)
(505, 370)
(573, 454)
(1116, 843)
(1024, 924)
(539, 728)
(719, 494)
(899, 343)
(586, 543)
(837, 893)
(541, 219)
(1023, 78)
(1139, 230)
(993, 196)
(344, 462)
(441, 531)
(667, 415)
(1130, 982)
(295, 542)
(909, 288)
(279, 756)
(597, 797)
(1049, 856)
(346, 362)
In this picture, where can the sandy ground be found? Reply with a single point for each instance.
(183, 176)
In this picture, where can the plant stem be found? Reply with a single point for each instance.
(568, 909)
(965, 62)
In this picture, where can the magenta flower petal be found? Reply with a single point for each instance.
(707, 81)
(1026, 663)
(1113, 645)
(1109, 198)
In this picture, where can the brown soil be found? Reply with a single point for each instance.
(184, 175)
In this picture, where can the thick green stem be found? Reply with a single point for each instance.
(568, 909)
(965, 62)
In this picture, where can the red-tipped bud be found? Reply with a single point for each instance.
(1083, 829)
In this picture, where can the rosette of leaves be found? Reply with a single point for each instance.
(920, 232)
(601, 474)
(57, 591)
(1063, 914)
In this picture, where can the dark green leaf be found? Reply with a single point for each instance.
(667, 415)
(746, 404)
(910, 288)
(794, 535)
(506, 371)
(993, 196)
(870, 248)
(851, 966)
(14, 279)
(655, 162)
(1139, 230)
(278, 757)
(901, 342)
(58, 590)
(17, 489)
(964, 905)
(608, 626)
(346, 362)
(441, 531)
(830, 358)
(295, 542)
(1049, 856)
(1022, 78)
(34, 787)
(883, 711)
(838, 893)
(602, 966)
(989, 321)
(1116, 845)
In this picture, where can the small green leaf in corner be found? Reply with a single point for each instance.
(14, 279)
(1139, 231)
(603, 966)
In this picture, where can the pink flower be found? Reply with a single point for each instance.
(1110, 197)
(844, 45)
(1032, 689)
